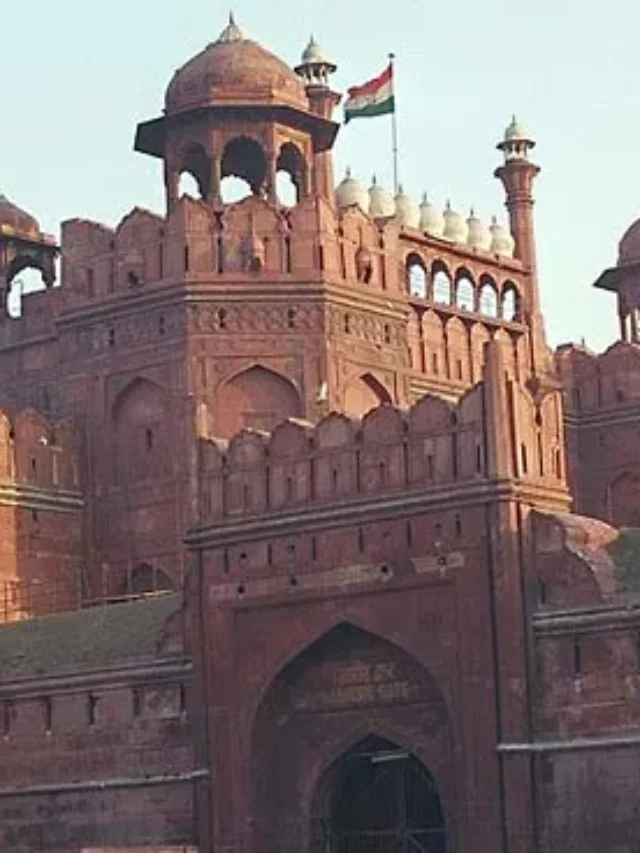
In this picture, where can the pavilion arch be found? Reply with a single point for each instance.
(194, 161)
(416, 276)
(25, 275)
(369, 665)
(244, 158)
(364, 393)
(291, 165)
(465, 289)
(510, 302)
(442, 288)
(488, 297)
(256, 397)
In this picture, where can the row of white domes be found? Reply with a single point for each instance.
(448, 225)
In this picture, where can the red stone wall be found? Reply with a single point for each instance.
(126, 735)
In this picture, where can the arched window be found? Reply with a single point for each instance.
(441, 285)
(510, 309)
(488, 297)
(416, 276)
(465, 291)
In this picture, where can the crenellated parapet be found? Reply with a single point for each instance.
(496, 431)
(602, 402)
(598, 382)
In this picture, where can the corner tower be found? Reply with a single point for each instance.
(237, 110)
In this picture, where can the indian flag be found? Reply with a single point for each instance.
(374, 98)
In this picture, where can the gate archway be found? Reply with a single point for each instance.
(379, 798)
(345, 686)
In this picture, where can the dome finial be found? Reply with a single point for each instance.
(232, 32)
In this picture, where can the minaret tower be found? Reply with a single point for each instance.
(517, 174)
(315, 70)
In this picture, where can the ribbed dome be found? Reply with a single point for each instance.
(381, 203)
(15, 219)
(431, 218)
(502, 243)
(234, 69)
(350, 192)
(407, 210)
(479, 236)
(455, 228)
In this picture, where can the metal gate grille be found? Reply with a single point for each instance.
(386, 802)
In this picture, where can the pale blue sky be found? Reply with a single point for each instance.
(77, 76)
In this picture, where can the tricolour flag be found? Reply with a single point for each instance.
(374, 98)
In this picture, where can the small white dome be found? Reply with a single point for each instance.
(407, 210)
(455, 228)
(515, 132)
(502, 242)
(381, 203)
(314, 55)
(479, 236)
(351, 192)
(431, 218)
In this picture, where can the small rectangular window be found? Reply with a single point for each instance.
(92, 709)
(136, 701)
(577, 658)
(7, 713)
(47, 709)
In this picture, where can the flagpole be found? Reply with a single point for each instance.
(394, 128)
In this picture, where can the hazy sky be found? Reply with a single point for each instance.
(78, 76)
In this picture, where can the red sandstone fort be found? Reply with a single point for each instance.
(310, 544)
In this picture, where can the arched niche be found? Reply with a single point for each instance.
(146, 579)
(256, 398)
(364, 393)
(245, 160)
(624, 499)
(349, 688)
(139, 418)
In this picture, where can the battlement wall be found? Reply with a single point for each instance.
(432, 445)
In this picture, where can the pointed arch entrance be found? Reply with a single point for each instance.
(348, 704)
(379, 798)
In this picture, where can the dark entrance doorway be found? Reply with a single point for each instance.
(383, 800)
